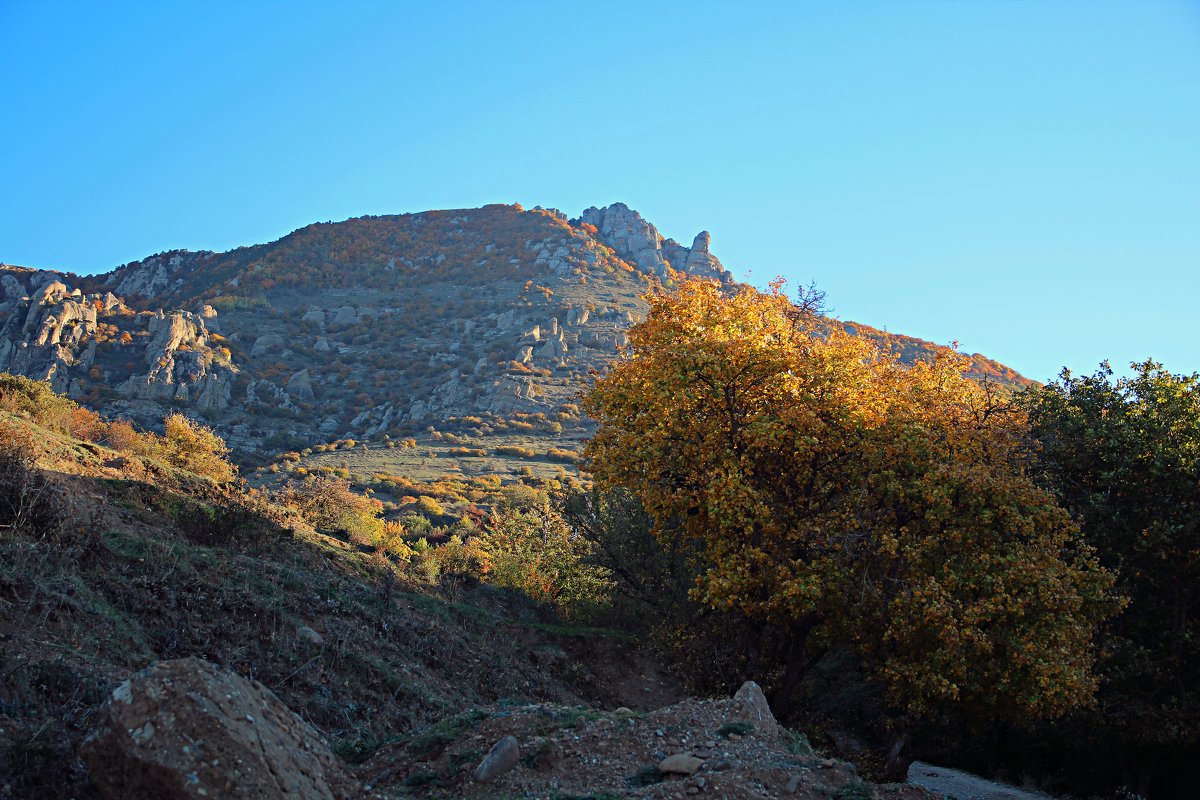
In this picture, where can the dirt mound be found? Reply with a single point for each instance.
(701, 748)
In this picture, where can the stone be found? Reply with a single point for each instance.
(266, 344)
(314, 317)
(344, 317)
(680, 764)
(503, 756)
(300, 385)
(307, 634)
(188, 729)
(753, 708)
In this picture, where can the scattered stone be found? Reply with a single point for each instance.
(680, 764)
(503, 756)
(307, 634)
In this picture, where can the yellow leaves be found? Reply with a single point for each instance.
(838, 491)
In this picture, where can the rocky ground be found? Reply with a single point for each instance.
(189, 729)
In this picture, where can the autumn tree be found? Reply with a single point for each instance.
(839, 499)
(1124, 455)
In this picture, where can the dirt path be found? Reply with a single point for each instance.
(964, 785)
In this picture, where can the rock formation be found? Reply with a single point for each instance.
(635, 239)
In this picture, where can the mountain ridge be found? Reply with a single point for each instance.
(372, 328)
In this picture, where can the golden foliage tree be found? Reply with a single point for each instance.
(841, 499)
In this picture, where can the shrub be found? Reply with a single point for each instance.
(196, 448)
(30, 505)
(515, 450)
(430, 507)
(535, 551)
(329, 504)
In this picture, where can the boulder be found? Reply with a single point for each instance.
(680, 764)
(344, 317)
(752, 707)
(307, 634)
(503, 756)
(266, 344)
(300, 385)
(189, 729)
(314, 317)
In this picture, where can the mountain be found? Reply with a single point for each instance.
(465, 334)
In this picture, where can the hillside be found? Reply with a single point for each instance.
(469, 333)
(126, 559)
(144, 602)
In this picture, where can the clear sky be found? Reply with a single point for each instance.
(1021, 176)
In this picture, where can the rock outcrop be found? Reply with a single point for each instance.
(157, 275)
(182, 366)
(187, 729)
(50, 331)
(635, 239)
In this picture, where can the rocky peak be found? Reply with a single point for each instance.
(156, 275)
(637, 241)
(629, 234)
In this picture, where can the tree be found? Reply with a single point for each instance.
(1124, 456)
(839, 499)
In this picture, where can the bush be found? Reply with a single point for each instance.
(30, 503)
(515, 450)
(430, 507)
(534, 551)
(328, 503)
(196, 448)
(38, 402)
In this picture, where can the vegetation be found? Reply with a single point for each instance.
(1123, 455)
(534, 550)
(840, 499)
(185, 444)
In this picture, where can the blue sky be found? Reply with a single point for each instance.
(1021, 176)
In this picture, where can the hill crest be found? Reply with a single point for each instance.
(375, 328)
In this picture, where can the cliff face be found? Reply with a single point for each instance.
(53, 332)
(373, 327)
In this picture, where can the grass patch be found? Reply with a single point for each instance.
(435, 739)
(735, 729)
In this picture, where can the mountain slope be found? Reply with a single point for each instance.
(482, 324)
